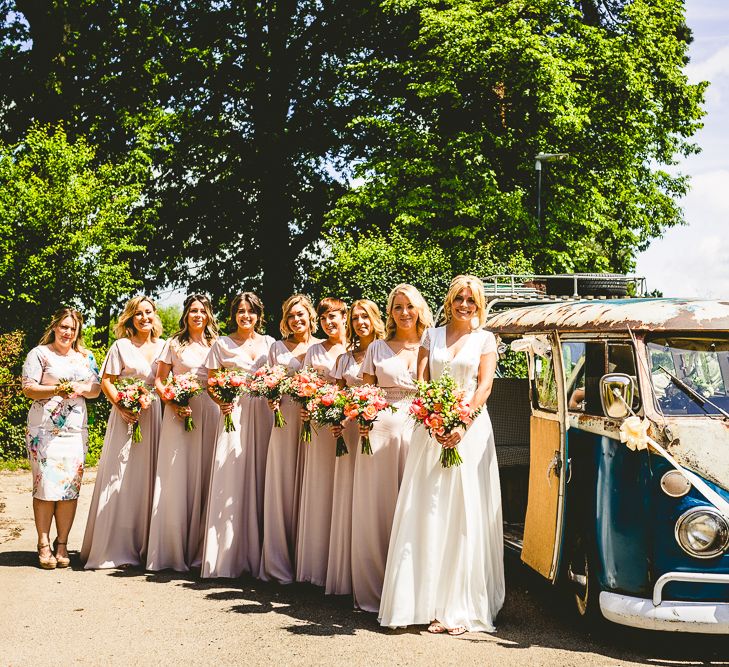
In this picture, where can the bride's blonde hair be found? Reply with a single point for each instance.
(458, 284)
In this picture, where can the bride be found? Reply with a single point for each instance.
(445, 561)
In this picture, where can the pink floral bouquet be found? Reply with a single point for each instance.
(134, 395)
(270, 383)
(326, 407)
(440, 406)
(302, 386)
(226, 384)
(179, 389)
(364, 404)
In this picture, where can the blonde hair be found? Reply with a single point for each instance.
(124, 327)
(210, 333)
(49, 335)
(296, 300)
(373, 312)
(458, 284)
(425, 317)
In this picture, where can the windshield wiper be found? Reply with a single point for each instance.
(694, 395)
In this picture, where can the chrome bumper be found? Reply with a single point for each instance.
(672, 616)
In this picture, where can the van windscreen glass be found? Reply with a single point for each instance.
(686, 370)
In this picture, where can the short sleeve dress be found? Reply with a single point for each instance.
(57, 433)
(447, 563)
(339, 566)
(377, 477)
(284, 471)
(234, 521)
(317, 487)
(117, 528)
(184, 461)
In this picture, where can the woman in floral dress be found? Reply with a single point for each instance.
(58, 375)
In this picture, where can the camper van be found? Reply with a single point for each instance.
(613, 447)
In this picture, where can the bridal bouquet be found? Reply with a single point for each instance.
(326, 407)
(364, 404)
(226, 384)
(440, 406)
(270, 383)
(302, 386)
(133, 395)
(179, 389)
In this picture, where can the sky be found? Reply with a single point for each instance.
(693, 260)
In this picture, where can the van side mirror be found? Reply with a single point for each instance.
(616, 395)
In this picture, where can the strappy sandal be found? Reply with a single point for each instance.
(48, 562)
(437, 628)
(61, 561)
(458, 630)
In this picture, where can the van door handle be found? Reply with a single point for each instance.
(555, 465)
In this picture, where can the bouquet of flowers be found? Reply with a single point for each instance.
(226, 384)
(302, 386)
(364, 403)
(270, 383)
(179, 389)
(326, 407)
(136, 396)
(440, 406)
(65, 387)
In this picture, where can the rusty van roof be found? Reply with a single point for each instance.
(644, 314)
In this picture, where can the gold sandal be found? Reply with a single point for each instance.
(61, 561)
(48, 562)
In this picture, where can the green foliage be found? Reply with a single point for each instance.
(13, 405)
(372, 264)
(66, 231)
(170, 318)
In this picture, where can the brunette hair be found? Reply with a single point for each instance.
(425, 317)
(124, 327)
(373, 312)
(297, 300)
(458, 284)
(255, 303)
(210, 333)
(330, 303)
(49, 335)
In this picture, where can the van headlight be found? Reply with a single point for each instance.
(702, 532)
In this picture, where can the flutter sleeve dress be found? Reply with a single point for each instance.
(377, 476)
(117, 528)
(445, 560)
(234, 523)
(179, 504)
(57, 433)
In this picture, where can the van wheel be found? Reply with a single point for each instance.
(583, 584)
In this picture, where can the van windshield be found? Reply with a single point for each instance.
(700, 362)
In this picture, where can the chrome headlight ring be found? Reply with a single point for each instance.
(702, 532)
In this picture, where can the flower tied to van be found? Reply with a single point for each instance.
(302, 386)
(133, 395)
(226, 384)
(441, 407)
(179, 389)
(364, 404)
(634, 433)
(326, 408)
(269, 382)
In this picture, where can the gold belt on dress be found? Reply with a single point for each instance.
(397, 394)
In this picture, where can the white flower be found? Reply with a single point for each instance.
(634, 433)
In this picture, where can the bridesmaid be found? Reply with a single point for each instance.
(185, 458)
(118, 524)
(317, 487)
(58, 375)
(285, 464)
(392, 364)
(234, 524)
(364, 325)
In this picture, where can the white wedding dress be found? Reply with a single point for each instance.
(445, 561)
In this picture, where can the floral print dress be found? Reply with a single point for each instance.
(57, 433)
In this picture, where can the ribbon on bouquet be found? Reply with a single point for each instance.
(634, 433)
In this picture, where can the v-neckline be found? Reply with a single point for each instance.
(451, 358)
(138, 351)
(412, 373)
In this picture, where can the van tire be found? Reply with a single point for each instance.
(590, 284)
(583, 583)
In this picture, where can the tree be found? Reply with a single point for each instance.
(66, 230)
(446, 148)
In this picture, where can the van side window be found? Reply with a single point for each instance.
(584, 365)
(545, 383)
(622, 360)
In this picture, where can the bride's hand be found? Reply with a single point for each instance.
(451, 440)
